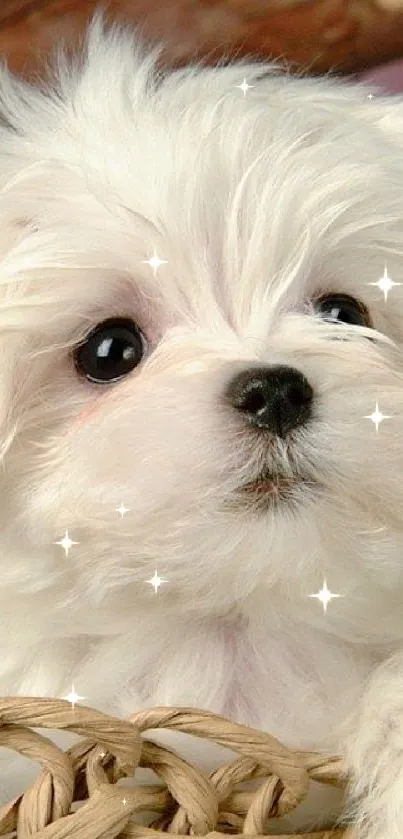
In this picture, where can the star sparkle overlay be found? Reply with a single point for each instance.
(66, 543)
(244, 86)
(73, 697)
(156, 581)
(377, 417)
(385, 284)
(155, 262)
(122, 510)
(325, 596)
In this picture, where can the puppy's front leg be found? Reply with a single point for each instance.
(374, 756)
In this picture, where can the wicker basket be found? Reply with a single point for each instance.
(189, 802)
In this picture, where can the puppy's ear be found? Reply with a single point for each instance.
(25, 115)
(16, 104)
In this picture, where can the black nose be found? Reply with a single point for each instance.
(274, 398)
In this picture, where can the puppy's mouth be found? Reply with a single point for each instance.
(271, 484)
(267, 490)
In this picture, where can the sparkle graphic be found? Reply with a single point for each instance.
(244, 86)
(73, 697)
(66, 543)
(155, 262)
(385, 284)
(325, 596)
(124, 802)
(156, 581)
(370, 95)
(122, 509)
(377, 417)
(102, 754)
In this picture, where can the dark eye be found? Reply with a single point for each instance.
(112, 350)
(342, 308)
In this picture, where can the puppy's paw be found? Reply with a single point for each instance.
(374, 761)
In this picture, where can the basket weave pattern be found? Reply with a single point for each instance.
(188, 802)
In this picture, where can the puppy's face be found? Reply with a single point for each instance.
(222, 396)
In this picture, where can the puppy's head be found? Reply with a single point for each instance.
(191, 328)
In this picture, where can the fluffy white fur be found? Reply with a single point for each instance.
(258, 203)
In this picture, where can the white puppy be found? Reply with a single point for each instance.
(223, 396)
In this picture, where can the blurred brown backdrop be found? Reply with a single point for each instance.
(343, 35)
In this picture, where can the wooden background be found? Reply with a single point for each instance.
(344, 35)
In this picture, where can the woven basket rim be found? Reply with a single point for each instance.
(188, 801)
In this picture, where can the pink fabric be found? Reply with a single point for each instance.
(387, 76)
